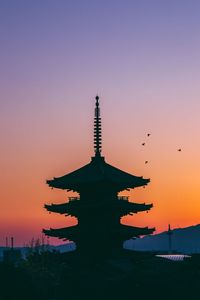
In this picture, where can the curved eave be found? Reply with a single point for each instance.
(63, 233)
(135, 231)
(57, 208)
(77, 186)
(58, 184)
(73, 232)
(137, 207)
(120, 205)
(139, 182)
(95, 173)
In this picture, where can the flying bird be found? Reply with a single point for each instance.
(179, 150)
(148, 134)
(143, 144)
(146, 161)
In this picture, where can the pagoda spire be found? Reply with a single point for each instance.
(99, 232)
(97, 129)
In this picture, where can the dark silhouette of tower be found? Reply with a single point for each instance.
(169, 233)
(11, 255)
(99, 208)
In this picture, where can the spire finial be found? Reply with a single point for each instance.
(97, 129)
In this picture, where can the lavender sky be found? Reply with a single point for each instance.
(143, 59)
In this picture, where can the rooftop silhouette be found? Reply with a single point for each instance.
(98, 208)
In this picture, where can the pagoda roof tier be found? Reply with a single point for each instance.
(73, 233)
(95, 173)
(75, 207)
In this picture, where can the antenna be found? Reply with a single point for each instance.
(97, 129)
(169, 233)
(12, 242)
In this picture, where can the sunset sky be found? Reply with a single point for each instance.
(143, 59)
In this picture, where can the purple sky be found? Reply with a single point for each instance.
(142, 58)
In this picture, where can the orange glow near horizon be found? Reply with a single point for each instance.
(170, 191)
(145, 68)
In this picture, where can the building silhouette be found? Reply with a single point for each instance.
(11, 255)
(98, 207)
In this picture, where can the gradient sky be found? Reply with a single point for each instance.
(143, 59)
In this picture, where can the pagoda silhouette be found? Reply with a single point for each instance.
(98, 207)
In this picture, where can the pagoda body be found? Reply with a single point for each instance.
(98, 207)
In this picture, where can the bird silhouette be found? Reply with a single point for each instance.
(146, 161)
(179, 150)
(143, 144)
(148, 134)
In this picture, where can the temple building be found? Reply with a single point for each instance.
(99, 207)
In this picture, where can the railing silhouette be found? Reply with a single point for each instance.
(124, 198)
(73, 198)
